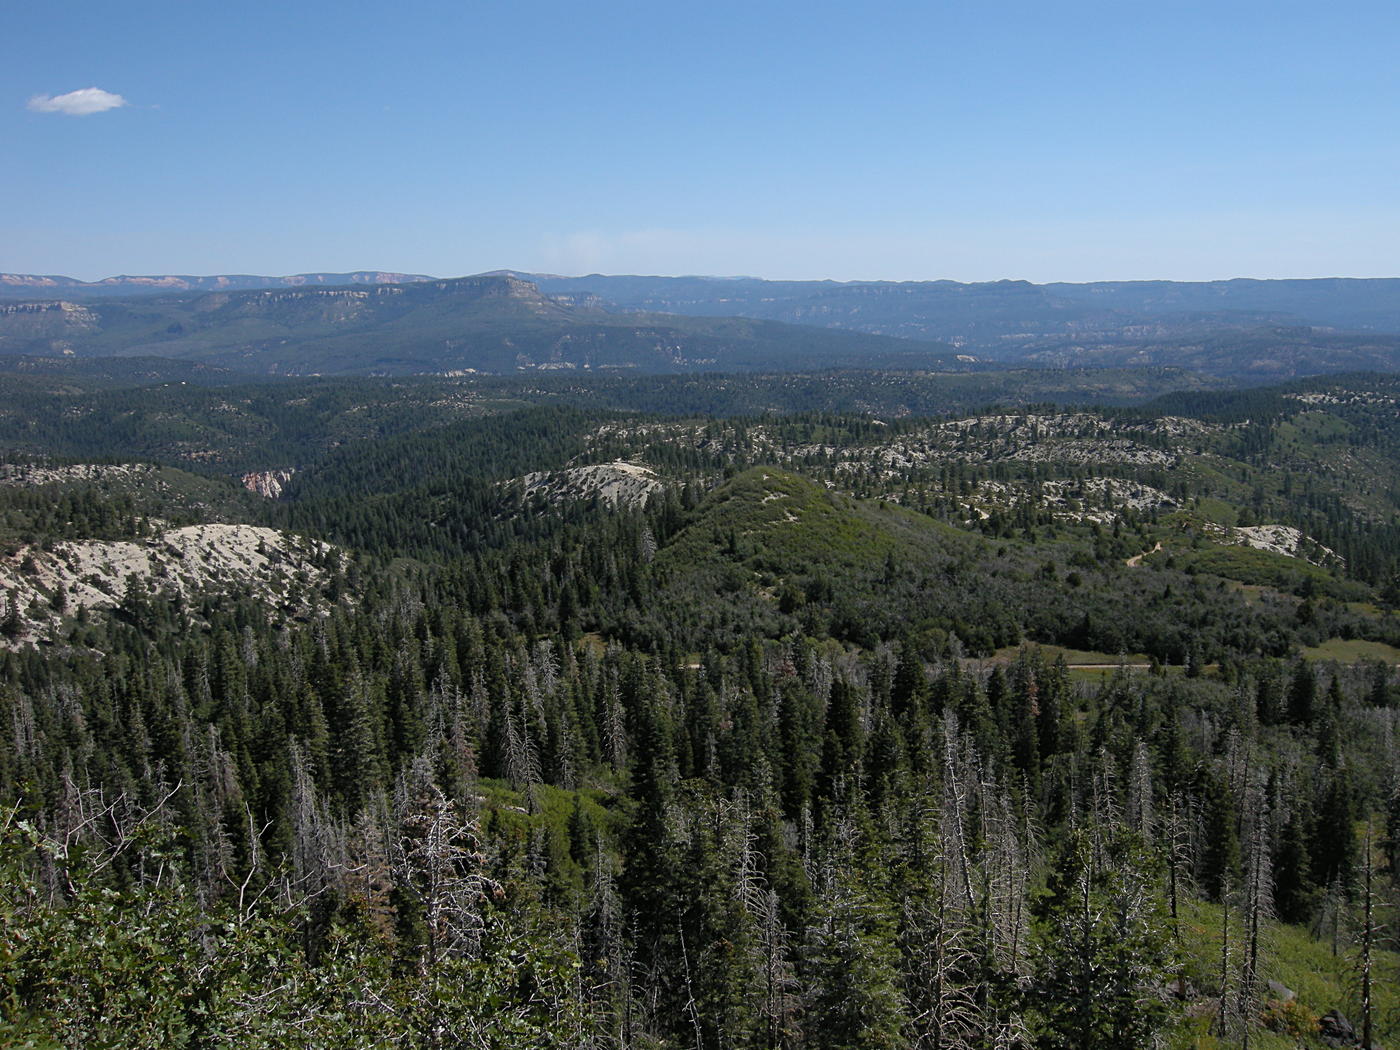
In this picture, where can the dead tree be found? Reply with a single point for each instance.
(1258, 906)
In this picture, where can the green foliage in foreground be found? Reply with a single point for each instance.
(153, 966)
(1105, 943)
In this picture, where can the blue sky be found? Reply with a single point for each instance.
(973, 141)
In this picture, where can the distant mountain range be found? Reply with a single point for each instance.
(493, 323)
(923, 309)
(33, 286)
(506, 321)
(1006, 311)
(1252, 330)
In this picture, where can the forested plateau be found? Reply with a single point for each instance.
(854, 710)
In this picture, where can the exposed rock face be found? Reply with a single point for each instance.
(1284, 539)
(1071, 438)
(617, 484)
(175, 564)
(24, 474)
(1099, 500)
(267, 483)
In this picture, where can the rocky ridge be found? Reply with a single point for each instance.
(40, 586)
(619, 483)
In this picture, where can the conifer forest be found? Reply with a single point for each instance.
(770, 712)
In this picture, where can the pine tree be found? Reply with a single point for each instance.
(1332, 849)
(1302, 695)
(1295, 891)
(1104, 949)
(850, 961)
(1220, 853)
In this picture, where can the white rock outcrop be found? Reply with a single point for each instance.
(183, 562)
(617, 484)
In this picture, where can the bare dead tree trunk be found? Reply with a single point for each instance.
(1258, 909)
(1178, 853)
(691, 1008)
(1367, 938)
(1223, 1017)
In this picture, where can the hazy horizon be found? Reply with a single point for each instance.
(284, 274)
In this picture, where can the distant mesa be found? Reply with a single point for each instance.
(14, 285)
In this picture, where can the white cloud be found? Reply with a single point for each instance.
(79, 103)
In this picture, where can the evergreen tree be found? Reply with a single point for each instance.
(1295, 891)
(1220, 853)
(1302, 695)
(1104, 949)
(850, 962)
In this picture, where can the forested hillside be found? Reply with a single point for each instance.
(700, 714)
